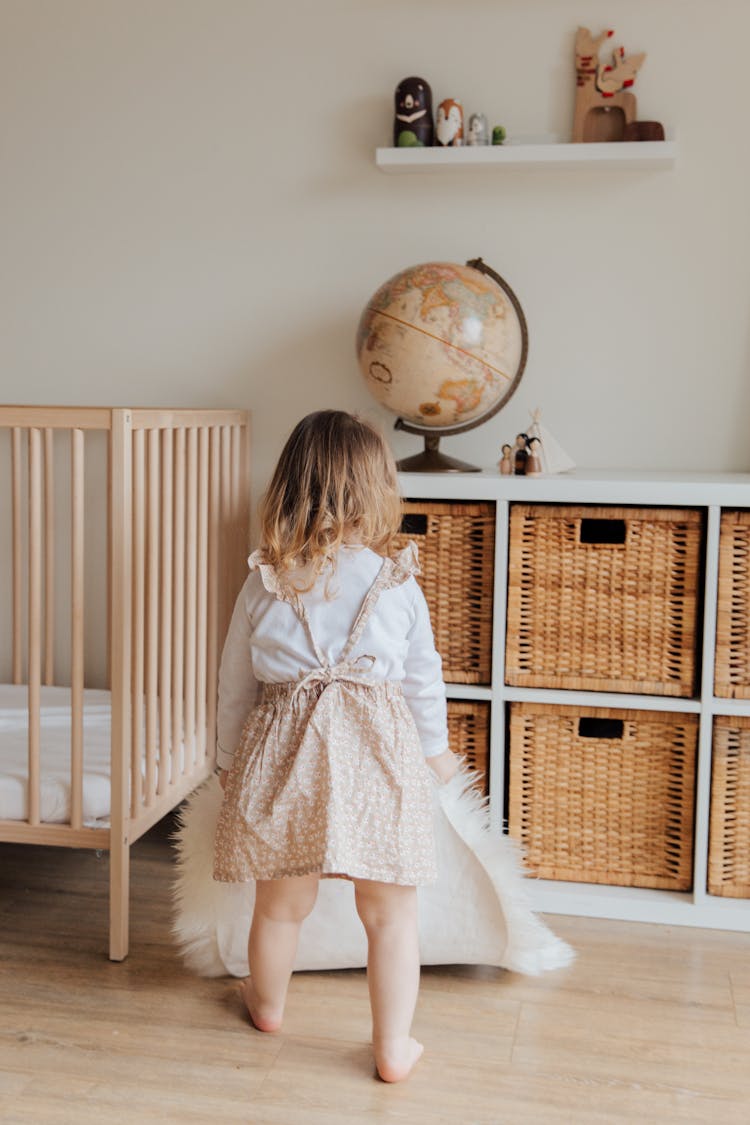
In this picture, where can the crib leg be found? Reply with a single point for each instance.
(119, 898)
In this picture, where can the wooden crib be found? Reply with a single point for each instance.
(122, 548)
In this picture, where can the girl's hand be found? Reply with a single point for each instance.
(223, 779)
(444, 765)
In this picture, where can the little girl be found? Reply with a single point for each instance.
(331, 702)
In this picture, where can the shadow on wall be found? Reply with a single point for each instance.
(305, 371)
(739, 445)
(347, 164)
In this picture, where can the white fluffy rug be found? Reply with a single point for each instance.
(477, 912)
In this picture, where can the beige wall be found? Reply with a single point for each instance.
(191, 213)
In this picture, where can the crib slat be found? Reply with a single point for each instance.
(237, 536)
(121, 617)
(49, 556)
(76, 628)
(191, 601)
(241, 506)
(152, 614)
(226, 559)
(245, 496)
(139, 615)
(35, 619)
(110, 561)
(15, 473)
(213, 589)
(202, 629)
(165, 616)
(178, 604)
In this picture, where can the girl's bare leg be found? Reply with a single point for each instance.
(389, 915)
(281, 906)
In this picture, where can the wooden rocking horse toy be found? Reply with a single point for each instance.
(605, 105)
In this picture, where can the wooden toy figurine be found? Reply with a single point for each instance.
(449, 124)
(412, 124)
(644, 131)
(604, 104)
(534, 459)
(520, 456)
(505, 465)
(478, 132)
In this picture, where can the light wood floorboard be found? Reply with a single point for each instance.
(651, 1023)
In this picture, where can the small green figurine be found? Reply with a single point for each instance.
(498, 135)
(408, 139)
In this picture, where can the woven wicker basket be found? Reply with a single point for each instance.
(469, 735)
(456, 552)
(732, 674)
(729, 833)
(603, 599)
(603, 796)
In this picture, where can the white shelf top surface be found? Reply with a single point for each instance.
(605, 486)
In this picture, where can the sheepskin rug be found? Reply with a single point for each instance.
(477, 913)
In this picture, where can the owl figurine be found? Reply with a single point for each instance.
(449, 127)
(478, 132)
(412, 123)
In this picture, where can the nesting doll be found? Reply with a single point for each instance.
(520, 456)
(412, 124)
(449, 127)
(478, 132)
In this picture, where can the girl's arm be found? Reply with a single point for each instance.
(443, 765)
(424, 690)
(238, 687)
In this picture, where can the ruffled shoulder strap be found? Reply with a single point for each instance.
(393, 572)
(403, 565)
(270, 578)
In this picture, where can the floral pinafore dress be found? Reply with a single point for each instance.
(330, 776)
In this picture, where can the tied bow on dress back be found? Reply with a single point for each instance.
(326, 674)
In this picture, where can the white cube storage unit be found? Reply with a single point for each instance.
(626, 861)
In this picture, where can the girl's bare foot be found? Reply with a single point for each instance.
(260, 1018)
(395, 1058)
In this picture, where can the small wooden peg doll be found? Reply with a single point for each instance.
(478, 133)
(505, 465)
(449, 123)
(520, 457)
(534, 460)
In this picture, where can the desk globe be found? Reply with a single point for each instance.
(444, 347)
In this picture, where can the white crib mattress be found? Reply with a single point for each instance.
(55, 755)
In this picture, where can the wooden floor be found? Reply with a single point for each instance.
(651, 1024)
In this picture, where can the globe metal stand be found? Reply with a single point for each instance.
(430, 460)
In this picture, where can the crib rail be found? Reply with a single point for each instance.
(187, 523)
(170, 533)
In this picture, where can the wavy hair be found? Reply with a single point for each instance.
(335, 482)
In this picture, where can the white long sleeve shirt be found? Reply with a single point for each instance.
(268, 642)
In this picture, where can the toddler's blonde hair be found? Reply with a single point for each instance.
(335, 482)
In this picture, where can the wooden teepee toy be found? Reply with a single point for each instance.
(552, 457)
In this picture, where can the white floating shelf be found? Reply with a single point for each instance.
(468, 691)
(623, 154)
